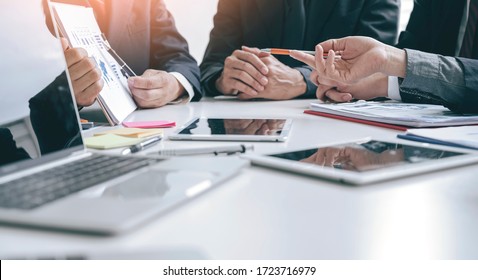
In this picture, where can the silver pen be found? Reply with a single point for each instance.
(228, 150)
(141, 146)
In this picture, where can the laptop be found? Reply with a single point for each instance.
(47, 177)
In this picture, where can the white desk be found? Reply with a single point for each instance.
(267, 214)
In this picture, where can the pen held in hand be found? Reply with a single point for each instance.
(277, 51)
(141, 146)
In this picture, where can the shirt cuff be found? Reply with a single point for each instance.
(394, 89)
(186, 84)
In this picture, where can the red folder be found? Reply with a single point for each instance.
(386, 125)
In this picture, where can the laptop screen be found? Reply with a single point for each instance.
(38, 118)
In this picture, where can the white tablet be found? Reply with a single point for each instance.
(367, 161)
(221, 129)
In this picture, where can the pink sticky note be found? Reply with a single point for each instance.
(150, 124)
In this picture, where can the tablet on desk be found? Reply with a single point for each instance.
(222, 129)
(367, 161)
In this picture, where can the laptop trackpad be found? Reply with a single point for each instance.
(159, 183)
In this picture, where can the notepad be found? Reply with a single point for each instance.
(110, 141)
(150, 124)
(132, 132)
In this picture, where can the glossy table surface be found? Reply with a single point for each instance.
(268, 214)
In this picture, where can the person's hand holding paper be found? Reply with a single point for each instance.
(155, 88)
(84, 74)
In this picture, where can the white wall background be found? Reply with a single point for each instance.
(37, 48)
(194, 21)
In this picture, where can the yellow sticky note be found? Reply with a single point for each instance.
(132, 132)
(110, 141)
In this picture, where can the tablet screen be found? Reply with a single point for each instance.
(362, 157)
(211, 126)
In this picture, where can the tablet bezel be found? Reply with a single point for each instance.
(372, 176)
(236, 137)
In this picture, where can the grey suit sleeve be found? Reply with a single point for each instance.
(436, 79)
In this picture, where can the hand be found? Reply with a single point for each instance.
(253, 127)
(243, 72)
(85, 76)
(360, 58)
(371, 87)
(283, 82)
(155, 88)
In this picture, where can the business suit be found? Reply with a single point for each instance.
(433, 26)
(144, 34)
(53, 117)
(432, 78)
(260, 23)
(8, 148)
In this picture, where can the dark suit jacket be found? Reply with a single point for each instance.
(8, 148)
(144, 34)
(433, 28)
(53, 117)
(259, 23)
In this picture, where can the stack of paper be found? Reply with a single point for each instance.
(395, 113)
(110, 141)
(120, 137)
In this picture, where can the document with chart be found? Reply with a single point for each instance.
(78, 25)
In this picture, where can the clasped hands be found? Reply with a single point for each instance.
(361, 72)
(250, 73)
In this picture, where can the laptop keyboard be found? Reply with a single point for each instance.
(40, 188)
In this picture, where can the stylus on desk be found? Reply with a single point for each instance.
(141, 146)
(228, 150)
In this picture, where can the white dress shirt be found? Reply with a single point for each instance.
(185, 83)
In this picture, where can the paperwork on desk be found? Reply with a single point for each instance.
(78, 25)
(404, 114)
(462, 136)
